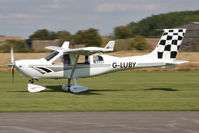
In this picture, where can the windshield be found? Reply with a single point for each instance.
(50, 56)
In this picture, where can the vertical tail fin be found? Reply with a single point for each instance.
(169, 44)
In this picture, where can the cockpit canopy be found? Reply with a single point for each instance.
(51, 55)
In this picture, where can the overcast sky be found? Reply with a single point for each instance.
(23, 17)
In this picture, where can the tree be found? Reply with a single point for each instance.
(63, 36)
(43, 34)
(122, 32)
(90, 37)
(152, 26)
(79, 37)
(139, 43)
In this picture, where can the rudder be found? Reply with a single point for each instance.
(169, 44)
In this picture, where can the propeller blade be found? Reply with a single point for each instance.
(12, 70)
(12, 63)
(12, 55)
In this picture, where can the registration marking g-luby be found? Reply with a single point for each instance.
(124, 65)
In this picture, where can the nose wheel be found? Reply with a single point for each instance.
(31, 81)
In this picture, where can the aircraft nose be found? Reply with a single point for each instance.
(18, 64)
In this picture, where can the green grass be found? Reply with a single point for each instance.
(120, 91)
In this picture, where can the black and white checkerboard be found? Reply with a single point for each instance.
(169, 43)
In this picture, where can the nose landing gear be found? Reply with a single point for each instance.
(31, 81)
(34, 88)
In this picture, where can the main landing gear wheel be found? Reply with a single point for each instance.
(74, 88)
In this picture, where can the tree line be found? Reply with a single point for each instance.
(148, 27)
(152, 26)
(88, 37)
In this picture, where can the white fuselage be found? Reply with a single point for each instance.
(67, 63)
(41, 68)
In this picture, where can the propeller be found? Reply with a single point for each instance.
(12, 63)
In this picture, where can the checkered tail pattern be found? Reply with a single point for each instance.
(169, 43)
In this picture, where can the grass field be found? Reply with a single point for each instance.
(120, 91)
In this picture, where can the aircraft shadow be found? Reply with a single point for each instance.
(162, 89)
(58, 88)
(54, 88)
(18, 91)
(96, 92)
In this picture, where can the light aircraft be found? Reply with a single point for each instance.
(95, 62)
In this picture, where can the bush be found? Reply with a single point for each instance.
(196, 47)
(139, 43)
(123, 44)
(122, 32)
(18, 46)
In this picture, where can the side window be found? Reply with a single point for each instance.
(86, 60)
(66, 59)
(98, 59)
(83, 59)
